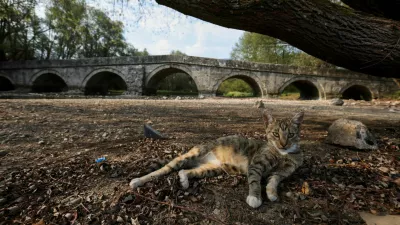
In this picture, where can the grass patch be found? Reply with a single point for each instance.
(177, 93)
(395, 96)
(116, 92)
(237, 94)
(290, 95)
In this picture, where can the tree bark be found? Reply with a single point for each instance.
(383, 8)
(333, 33)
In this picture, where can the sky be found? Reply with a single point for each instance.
(160, 29)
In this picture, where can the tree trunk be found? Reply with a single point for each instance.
(383, 8)
(333, 33)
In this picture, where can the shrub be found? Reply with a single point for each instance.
(237, 94)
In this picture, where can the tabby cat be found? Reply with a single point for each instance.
(276, 158)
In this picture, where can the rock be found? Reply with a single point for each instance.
(69, 216)
(164, 97)
(178, 98)
(128, 198)
(41, 142)
(397, 181)
(201, 97)
(3, 153)
(337, 101)
(259, 104)
(150, 132)
(384, 169)
(351, 133)
(217, 211)
(120, 220)
(135, 221)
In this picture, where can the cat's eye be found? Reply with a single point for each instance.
(291, 135)
(275, 134)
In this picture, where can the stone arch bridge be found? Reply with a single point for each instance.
(141, 75)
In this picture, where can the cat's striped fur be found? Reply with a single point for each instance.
(275, 159)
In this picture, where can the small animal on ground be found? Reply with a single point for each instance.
(275, 158)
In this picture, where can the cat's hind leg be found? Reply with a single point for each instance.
(204, 170)
(175, 164)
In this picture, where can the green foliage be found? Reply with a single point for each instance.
(176, 93)
(71, 29)
(19, 29)
(237, 94)
(395, 96)
(177, 52)
(234, 85)
(261, 48)
(178, 82)
(291, 89)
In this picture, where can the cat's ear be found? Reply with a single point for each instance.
(268, 119)
(298, 118)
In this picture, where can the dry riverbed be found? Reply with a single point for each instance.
(48, 173)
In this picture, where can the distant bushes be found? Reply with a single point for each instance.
(237, 94)
(395, 96)
(235, 87)
(177, 84)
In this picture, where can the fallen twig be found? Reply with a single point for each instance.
(180, 207)
(87, 210)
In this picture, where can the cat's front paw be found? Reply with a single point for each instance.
(183, 179)
(253, 201)
(135, 183)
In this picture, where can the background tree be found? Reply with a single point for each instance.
(19, 29)
(70, 29)
(66, 18)
(363, 36)
(177, 52)
(261, 48)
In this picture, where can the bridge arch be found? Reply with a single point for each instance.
(6, 84)
(309, 89)
(252, 81)
(357, 92)
(104, 81)
(48, 81)
(156, 76)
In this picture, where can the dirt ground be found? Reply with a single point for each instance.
(48, 173)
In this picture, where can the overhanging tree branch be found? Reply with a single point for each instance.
(384, 8)
(323, 29)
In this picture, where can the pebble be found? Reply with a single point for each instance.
(120, 220)
(384, 169)
(127, 199)
(69, 216)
